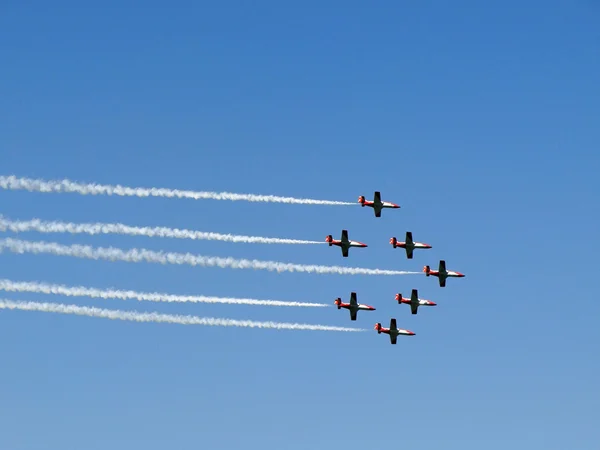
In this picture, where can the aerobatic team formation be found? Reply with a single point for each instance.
(143, 255)
(409, 245)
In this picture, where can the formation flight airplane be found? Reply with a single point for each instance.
(408, 244)
(353, 306)
(442, 273)
(376, 204)
(344, 243)
(393, 331)
(414, 301)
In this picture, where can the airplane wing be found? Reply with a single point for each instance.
(442, 280)
(442, 267)
(344, 236)
(377, 197)
(409, 252)
(377, 211)
(353, 314)
(345, 252)
(353, 301)
(409, 239)
(393, 338)
(414, 301)
(393, 324)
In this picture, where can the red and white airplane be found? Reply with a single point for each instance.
(344, 243)
(376, 204)
(353, 306)
(393, 331)
(414, 301)
(408, 244)
(442, 273)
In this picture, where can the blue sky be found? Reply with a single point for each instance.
(479, 119)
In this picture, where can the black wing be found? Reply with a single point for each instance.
(442, 281)
(409, 252)
(414, 301)
(353, 314)
(393, 339)
(353, 300)
(344, 235)
(409, 239)
(393, 324)
(442, 268)
(377, 197)
(344, 252)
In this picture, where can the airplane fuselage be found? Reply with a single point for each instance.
(349, 307)
(394, 332)
(447, 274)
(348, 244)
(422, 302)
(397, 332)
(381, 205)
(353, 306)
(376, 203)
(413, 245)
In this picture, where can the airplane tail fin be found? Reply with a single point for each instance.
(338, 302)
(361, 200)
(329, 239)
(393, 241)
(399, 298)
(378, 327)
(426, 269)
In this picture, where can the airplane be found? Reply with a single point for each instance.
(408, 244)
(353, 306)
(393, 331)
(344, 243)
(376, 204)
(442, 273)
(414, 301)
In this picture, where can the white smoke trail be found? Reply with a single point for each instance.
(20, 226)
(61, 186)
(136, 316)
(81, 291)
(138, 255)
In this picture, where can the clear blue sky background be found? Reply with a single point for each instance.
(479, 118)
